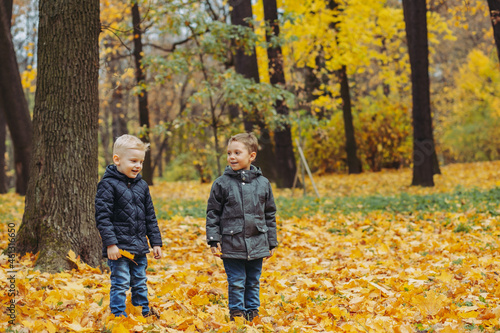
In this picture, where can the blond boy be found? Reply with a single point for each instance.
(126, 220)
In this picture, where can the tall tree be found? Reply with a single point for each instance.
(59, 211)
(283, 145)
(6, 6)
(424, 154)
(353, 162)
(15, 106)
(3, 137)
(140, 78)
(246, 65)
(494, 6)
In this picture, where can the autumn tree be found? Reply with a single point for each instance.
(14, 106)
(59, 210)
(283, 145)
(494, 6)
(353, 162)
(424, 153)
(3, 137)
(142, 96)
(245, 63)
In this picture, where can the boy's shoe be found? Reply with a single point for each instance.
(236, 313)
(251, 314)
(152, 312)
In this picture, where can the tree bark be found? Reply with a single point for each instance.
(353, 162)
(424, 159)
(3, 148)
(59, 211)
(15, 106)
(140, 78)
(247, 66)
(494, 6)
(283, 145)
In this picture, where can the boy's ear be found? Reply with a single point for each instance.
(116, 159)
(253, 155)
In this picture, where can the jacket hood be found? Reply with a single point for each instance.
(112, 172)
(244, 175)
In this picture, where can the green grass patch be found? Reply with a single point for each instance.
(486, 201)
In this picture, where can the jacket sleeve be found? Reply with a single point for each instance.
(104, 202)
(214, 211)
(270, 215)
(152, 229)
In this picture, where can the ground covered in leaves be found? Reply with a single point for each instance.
(371, 255)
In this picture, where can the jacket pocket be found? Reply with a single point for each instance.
(233, 239)
(256, 226)
(262, 228)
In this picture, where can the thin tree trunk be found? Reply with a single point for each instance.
(283, 145)
(140, 78)
(415, 14)
(15, 108)
(59, 211)
(494, 6)
(118, 113)
(105, 134)
(247, 66)
(353, 162)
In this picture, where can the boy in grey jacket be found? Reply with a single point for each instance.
(241, 224)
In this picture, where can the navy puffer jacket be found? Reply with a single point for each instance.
(125, 214)
(241, 214)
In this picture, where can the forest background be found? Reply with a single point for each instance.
(184, 75)
(191, 85)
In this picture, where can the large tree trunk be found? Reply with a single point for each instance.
(15, 107)
(140, 77)
(3, 148)
(246, 65)
(424, 159)
(494, 6)
(353, 162)
(59, 211)
(283, 145)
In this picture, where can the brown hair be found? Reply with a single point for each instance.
(248, 139)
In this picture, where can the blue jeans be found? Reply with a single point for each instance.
(126, 274)
(243, 283)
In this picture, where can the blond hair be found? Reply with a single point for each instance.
(127, 141)
(247, 139)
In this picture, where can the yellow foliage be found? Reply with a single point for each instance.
(388, 272)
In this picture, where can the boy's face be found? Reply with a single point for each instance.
(129, 162)
(238, 156)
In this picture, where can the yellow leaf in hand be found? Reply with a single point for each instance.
(128, 255)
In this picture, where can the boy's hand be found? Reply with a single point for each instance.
(113, 252)
(157, 252)
(272, 253)
(216, 250)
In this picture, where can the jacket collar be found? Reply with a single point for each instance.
(244, 175)
(112, 172)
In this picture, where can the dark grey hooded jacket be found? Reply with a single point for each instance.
(241, 214)
(125, 214)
